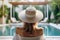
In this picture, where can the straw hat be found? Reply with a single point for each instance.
(31, 15)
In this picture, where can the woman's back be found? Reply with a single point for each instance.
(29, 32)
(36, 32)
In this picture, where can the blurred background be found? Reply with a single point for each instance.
(9, 16)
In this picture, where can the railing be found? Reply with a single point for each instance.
(19, 24)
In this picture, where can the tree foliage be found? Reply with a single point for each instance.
(5, 11)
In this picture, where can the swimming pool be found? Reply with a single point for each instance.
(48, 30)
(52, 31)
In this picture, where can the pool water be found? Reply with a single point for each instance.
(52, 31)
(48, 31)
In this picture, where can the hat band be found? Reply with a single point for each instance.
(30, 16)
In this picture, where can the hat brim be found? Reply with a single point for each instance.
(38, 17)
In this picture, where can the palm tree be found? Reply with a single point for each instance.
(3, 12)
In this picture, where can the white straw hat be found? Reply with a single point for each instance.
(31, 15)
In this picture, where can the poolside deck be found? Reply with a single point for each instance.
(47, 38)
(55, 25)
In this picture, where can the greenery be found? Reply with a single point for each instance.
(8, 16)
(5, 11)
(58, 17)
(55, 5)
(16, 16)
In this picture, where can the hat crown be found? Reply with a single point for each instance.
(31, 8)
(30, 12)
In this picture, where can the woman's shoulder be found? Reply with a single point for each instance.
(39, 29)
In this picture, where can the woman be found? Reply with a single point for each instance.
(30, 31)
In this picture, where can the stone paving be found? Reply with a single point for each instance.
(47, 38)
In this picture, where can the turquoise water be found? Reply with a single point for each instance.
(48, 31)
(53, 31)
